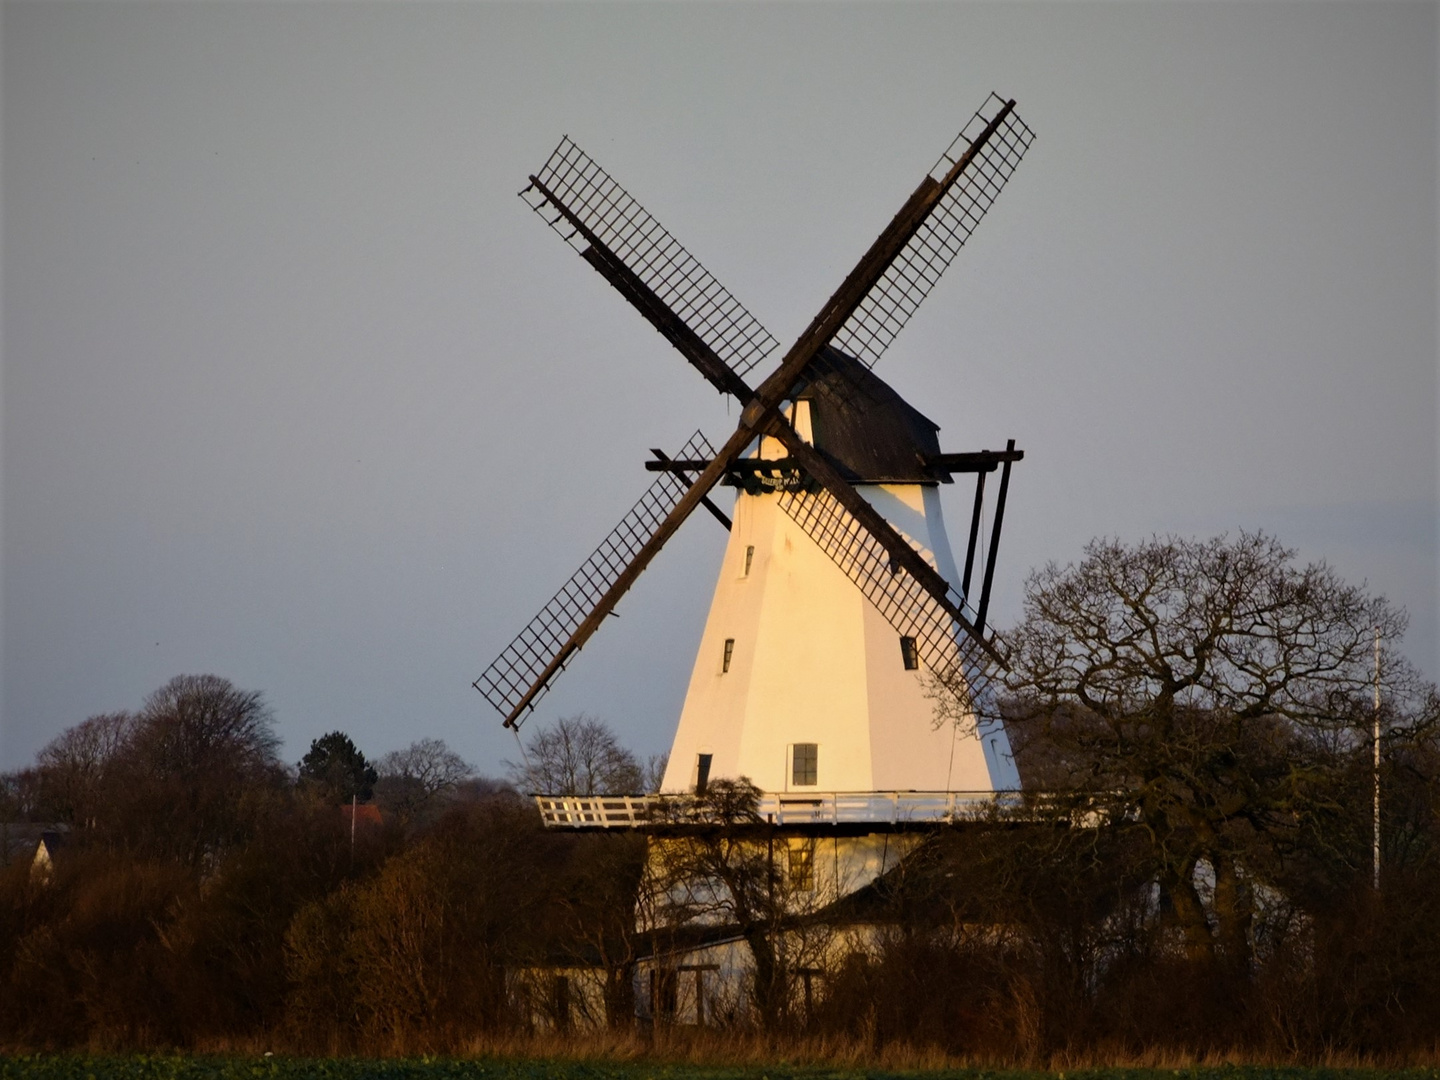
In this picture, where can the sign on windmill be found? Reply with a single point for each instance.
(838, 591)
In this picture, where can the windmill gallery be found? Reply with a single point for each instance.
(837, 598)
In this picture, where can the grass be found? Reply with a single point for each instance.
(226, 1067)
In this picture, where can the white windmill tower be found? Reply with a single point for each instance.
(838, 590)
(801, 684)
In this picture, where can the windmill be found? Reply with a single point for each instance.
(828, 460)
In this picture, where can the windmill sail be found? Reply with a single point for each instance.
(600, 219)
(522, 673)
(621, 240)
(888, 305)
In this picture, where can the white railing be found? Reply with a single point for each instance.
(880, 807)
(791, 808)
(595, 811)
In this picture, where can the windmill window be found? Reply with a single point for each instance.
(908, 653)
(729, 652)
(802, 865)
(804, 770)
(749, 556)
(702, 772)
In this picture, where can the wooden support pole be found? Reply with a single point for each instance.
(994, 542)
(974, 533)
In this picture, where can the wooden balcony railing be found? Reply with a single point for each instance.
(788, 808)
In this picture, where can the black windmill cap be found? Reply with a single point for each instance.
(866, 429)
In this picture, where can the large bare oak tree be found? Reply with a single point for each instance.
(1211, 696)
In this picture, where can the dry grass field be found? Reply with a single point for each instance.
(612, 1067)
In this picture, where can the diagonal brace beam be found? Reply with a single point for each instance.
(669, 464)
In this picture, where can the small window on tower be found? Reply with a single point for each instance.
(729, 652)
(749, 556)
(805, 769)
(908, 653)
(702, 772)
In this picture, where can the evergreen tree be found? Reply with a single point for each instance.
(338, 767)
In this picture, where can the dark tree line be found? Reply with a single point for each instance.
(1188, 872)
(207, 896)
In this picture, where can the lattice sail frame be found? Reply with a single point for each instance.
(946, 651)
(650, 252)
(887, 307)
(505, 682)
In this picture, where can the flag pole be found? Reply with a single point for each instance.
(1375, 850)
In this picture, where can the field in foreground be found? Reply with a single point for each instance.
(158, 1067)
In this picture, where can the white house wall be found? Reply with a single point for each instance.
(841, 866)
(713, 982)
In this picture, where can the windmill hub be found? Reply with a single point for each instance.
(753, 415)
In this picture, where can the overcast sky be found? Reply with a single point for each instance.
(296, 391)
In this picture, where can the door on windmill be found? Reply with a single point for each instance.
(805, 764)
(702, 772)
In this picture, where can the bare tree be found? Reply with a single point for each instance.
(580, 755)
(73, 767)
(423, 776)
(719, 864)
(202, 721)
(654, 771)
(196, 770)
(594, 898)
(1204, 694)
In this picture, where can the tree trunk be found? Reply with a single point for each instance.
(1232, 914)
(1179, 884)
(620, 994)
(770, 998)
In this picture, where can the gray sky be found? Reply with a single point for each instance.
(296, 390)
